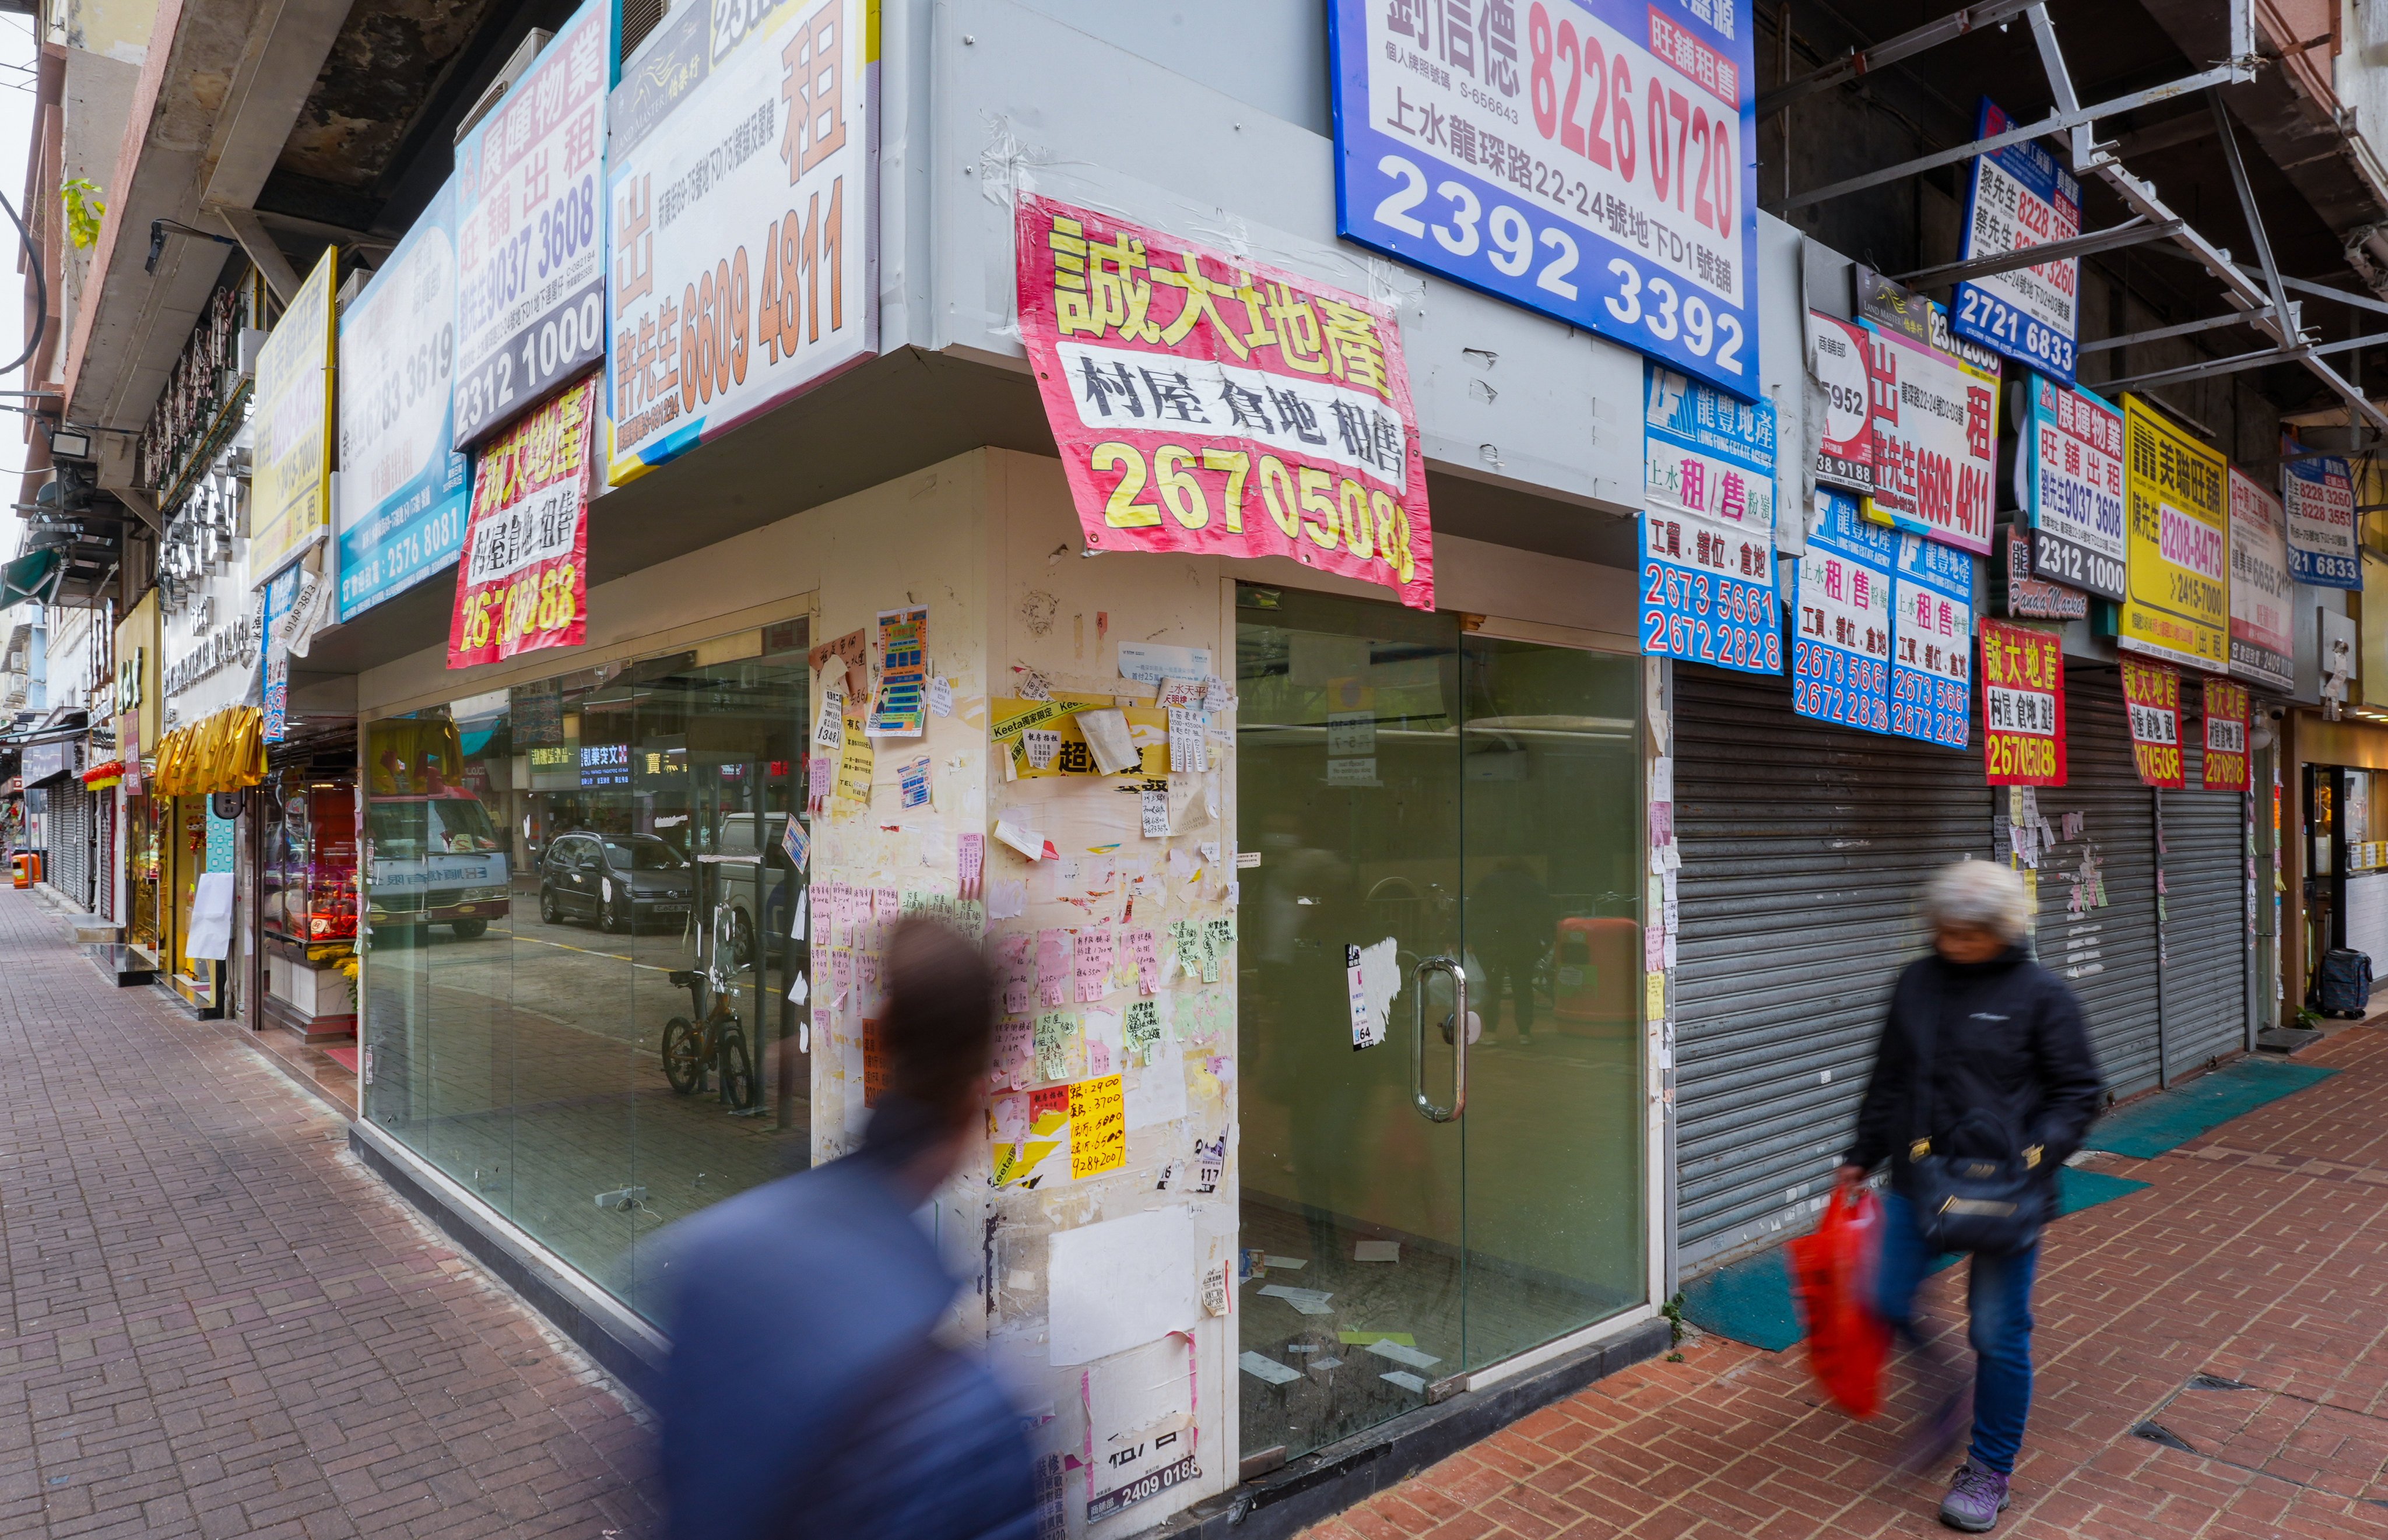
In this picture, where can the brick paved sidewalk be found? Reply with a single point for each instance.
(2259, 1256)
(215, 1322)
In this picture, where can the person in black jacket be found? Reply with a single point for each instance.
(2010, 1075)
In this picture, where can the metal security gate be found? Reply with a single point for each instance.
(70, 842)
(2097, 885)
(2207, 935)
(1805, 847)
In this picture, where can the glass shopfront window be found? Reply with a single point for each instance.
(578, 949)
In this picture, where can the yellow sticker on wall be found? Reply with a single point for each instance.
(1654, 996)
(856, 762)
(1098, 1126)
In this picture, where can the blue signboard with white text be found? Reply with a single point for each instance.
(1708, 526)
(2021, 197)
(1594, 160)
(1840, 611)
(1932, 642)
(403, 488)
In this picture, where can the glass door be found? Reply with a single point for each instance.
(1439, 1032)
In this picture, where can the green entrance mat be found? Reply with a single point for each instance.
(2148, 1127)
(1750, 1300)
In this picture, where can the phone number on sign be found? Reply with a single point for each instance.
(1932, 709)
(535, 601)
(1834, 686)
(1713, 619)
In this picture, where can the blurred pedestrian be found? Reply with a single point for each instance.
(1510, 923)
(1983, 1084)
(808, 1393)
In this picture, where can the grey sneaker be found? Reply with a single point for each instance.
(1975, 1499)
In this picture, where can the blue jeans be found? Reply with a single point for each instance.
(1998, 1299)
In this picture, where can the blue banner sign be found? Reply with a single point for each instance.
(1708, 526)
(2021, 197)
(1932, 642)
(1840, 642)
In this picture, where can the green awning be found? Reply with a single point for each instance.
(31, 576)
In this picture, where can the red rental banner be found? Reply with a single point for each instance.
(2023, 705)
(2151, 696)
(1204, 403)
(524, 582)
(2226, 737)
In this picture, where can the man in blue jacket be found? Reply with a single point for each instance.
(2011, 1078)
(807, 1395)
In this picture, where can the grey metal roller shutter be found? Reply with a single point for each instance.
(2107, 953)
(2206, 930)
(69, 844)
(1804, 848)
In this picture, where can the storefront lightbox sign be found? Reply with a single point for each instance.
(2317, 495)
(290, 484)
(742, 177)
(403, 487)
(2226, 766)
(1931, 643)
(2151, 696)
(1590, 160)
(524, 584)
(1836, 359)
(1203, 403)
(2073, 485)
(2023, 705)
(1840, 611)
(2176, 519)
(1707, 525)
(530, 231)
(1936, 420)
(2263, 649)
(2020, 197)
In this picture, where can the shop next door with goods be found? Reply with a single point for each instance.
(1440, 1031)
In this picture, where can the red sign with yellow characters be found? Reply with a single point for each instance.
(2152, 695)
(1204, 403)
(2023, 705)
(2224, 766)
(524, 582)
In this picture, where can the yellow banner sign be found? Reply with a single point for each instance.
(2177, 544)
(290, 493)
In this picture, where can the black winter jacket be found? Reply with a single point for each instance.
(2010, 1042)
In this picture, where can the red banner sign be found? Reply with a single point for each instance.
(1206, 404)
(2152, 695)
(2023, 705)
(524, 582)
(2226, 737)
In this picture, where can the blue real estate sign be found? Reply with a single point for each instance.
(1708, 526)
(2021, 197)
(1840, 610)
(1590, 159)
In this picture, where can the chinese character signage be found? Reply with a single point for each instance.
(1708, 526)
(526, 580)
(2226, 737)
(2152, 695)
(1936, 420)
(2021, 197)
(2319, 497)
(2178, 606)
(1204, 403)
(2023, 705)
(742, 185)
(2262, 648)
(1932, 642)
(530, 231)
(2035, 597)
(2073, 488)
(1590, 160)
(290, 490)
(403, 486)
(1836, 359)
(1841, 644)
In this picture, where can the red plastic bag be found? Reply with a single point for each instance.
(1831, 1281)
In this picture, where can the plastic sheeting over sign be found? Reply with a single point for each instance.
(1204, 403)
(2262, 592)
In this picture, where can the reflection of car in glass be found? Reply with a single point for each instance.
(619, 880)
(747, 861)
(435, 859)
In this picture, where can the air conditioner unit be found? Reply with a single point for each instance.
(517, 65)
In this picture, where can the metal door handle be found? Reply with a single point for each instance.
(1458, 1039)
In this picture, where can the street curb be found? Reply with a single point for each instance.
(1326, 1482)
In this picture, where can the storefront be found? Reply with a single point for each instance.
(2338, 777)
(145, 818)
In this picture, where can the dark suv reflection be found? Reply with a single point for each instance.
(619, 880)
